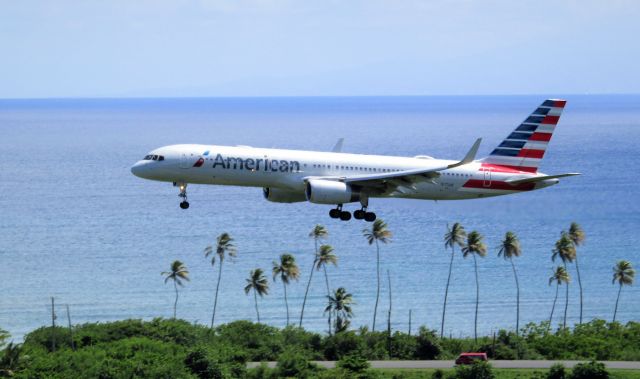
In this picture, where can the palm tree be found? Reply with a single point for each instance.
(259, 284)
(340, 305)
(10, 360)
(325, 257)
(318, 233)
(577, 236)
(378, 232)
(623, 273)
(560, 275)
(177, 273)
(566, 251)
(286, 269)
(224, 246)
(474, 247)
(510, 248)
(454, 236)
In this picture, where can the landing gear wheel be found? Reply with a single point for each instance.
(334, 213)
(184, 205)
(345, 216)
(359, 214)
(369, 216)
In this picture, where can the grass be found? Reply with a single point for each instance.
(500, 373)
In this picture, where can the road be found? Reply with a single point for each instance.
(449, 364)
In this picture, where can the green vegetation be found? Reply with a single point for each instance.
(171, 348)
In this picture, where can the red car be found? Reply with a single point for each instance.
(469, 358)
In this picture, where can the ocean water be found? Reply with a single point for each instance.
(76, 225)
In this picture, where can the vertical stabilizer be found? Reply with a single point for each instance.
(524, 148)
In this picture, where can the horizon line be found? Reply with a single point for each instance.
(303, 96)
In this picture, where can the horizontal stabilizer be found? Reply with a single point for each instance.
(539, 178)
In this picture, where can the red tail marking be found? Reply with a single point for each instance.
(550, 120)
(531, 153)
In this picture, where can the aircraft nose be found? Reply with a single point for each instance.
(139, 169)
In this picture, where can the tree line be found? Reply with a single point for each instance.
(338, 308)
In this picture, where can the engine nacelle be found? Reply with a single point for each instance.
(330, 192)
(278, 195)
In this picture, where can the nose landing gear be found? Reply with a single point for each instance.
(184, 204)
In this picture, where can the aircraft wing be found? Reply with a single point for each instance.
(399, 180)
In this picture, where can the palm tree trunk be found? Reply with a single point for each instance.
(375, 308)
(215, 301)
(286, 302)
(615, 311)
(446, 292)
(554, 305)
(579, 286)
(175, 304)
(326, 280)
(515, 275)
(566, 303)
(475, 328)
(255, 297)
(307, 290)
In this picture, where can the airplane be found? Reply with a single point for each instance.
(336, 178)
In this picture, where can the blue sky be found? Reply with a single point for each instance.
(115, 48)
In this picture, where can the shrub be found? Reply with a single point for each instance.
(403, 346)
(428, 344)
(260, 342)
(478, 370)
(341, 344)
(556, 371)
(591, 370)
(294, 363)
(355, 363)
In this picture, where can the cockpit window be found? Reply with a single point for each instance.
(153, 157)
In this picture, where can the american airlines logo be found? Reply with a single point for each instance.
(257, 164)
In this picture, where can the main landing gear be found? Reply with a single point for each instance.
(184, 204)
(360, 214)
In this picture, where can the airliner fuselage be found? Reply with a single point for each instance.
(337, 178)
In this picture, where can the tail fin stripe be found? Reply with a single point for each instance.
(506, 152)
(527, 127)
(531, 153)
(513, 144)
(550, 120)
(540, 137)
(520, 135)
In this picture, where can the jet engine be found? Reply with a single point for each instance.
(278, 195)
(330, 192)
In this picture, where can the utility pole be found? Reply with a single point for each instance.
(389, 316)
(53, 326)
(409, 322)
(73, 345)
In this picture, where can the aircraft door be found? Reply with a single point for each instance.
(487, 179)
